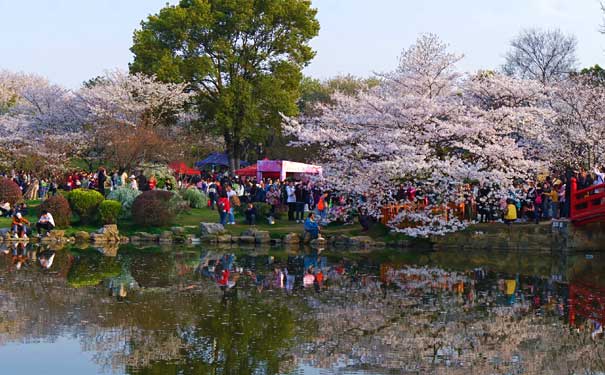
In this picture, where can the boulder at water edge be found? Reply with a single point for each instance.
(291, 239)
(211, 229)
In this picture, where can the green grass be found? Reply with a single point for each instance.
(194, 216)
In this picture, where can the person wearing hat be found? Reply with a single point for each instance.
(133, 183)
(19, 225)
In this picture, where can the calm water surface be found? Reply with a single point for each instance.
(165, 311)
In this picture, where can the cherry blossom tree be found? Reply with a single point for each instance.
(133, 118)
(120, 98)
(579, 133)
(41, 118)
(38, 117)
(425, 122)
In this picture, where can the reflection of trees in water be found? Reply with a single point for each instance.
(439, 331)
(155, 330)
(166, 328)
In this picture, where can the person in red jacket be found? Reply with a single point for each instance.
(223, 207)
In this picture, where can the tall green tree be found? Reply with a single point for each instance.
(243, 58)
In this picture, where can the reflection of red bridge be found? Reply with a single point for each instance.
(587, 205)
(587, 302)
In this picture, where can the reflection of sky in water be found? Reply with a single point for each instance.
(147, 311)
(61, 357)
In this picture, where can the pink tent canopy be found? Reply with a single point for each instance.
(285, 168)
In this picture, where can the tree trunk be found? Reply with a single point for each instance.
(237, 153)
(229, 150)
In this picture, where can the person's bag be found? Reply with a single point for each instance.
(306, 207)
(235, 201)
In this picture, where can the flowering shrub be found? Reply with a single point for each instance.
(10, 191)
(58, 206)
(109, 211)
(85, 203)
(126, 197)
(154, 208)
(161, 173)
(425, 224)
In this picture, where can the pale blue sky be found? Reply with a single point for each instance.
(70, 41)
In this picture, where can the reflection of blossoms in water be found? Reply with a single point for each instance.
(439, 329)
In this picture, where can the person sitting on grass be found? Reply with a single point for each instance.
(46, 221)
(19, 225)
(251, 214)
(311, 226)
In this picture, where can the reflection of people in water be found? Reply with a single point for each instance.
(19, 255)
(46, 259)
(118, 290)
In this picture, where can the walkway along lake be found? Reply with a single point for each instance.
(163, 311)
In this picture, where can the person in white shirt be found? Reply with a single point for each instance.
(46, 221)
(134, 185)
(46, 259)
(291, 200)
(5, 209)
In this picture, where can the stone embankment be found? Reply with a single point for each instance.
(213, 233)
(209, 233)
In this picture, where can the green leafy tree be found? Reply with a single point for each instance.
(595, 73)
(243, 58)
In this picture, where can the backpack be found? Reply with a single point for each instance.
(235, 201)
(539, 199)
(321, 204)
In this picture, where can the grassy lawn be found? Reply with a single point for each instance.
(194, 216)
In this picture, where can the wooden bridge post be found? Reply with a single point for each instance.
(573, 197)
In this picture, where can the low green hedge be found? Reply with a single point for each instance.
(109, 211)
(85, 203)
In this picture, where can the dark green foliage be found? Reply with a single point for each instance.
(244, 58)
(109, 211)
(58, 206)
(85, 203)
(195, 198)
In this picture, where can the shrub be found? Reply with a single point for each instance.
(178, 204)
(195, 198)
(109, 211)
(154, 208)
(58, 206)
(10, 192)
(126, 197)
(85, 203)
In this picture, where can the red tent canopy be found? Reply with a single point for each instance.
(180, 167)
(251, 171)
(248, 171)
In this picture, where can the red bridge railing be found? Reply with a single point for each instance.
(586, 301)
(587, 205)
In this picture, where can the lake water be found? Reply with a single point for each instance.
(166, 311)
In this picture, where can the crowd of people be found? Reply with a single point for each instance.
(536, 200)
(304, 201)
(299, 200)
